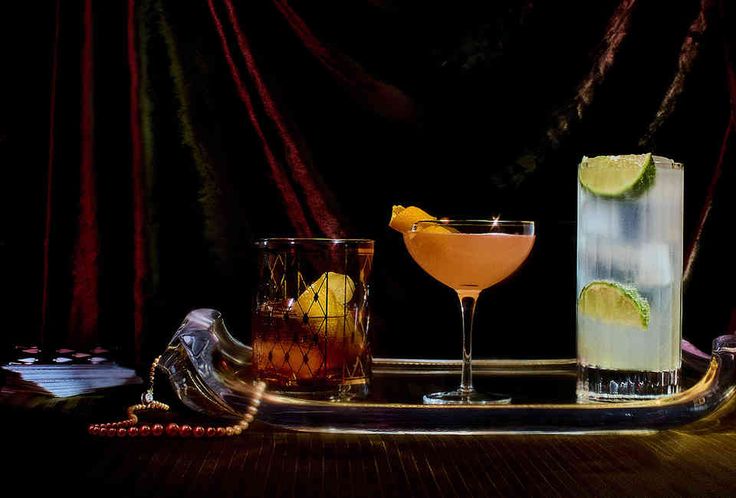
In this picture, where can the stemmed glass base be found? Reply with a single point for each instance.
(463, 397)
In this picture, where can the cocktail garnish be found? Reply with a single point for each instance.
(614, 302)
(404, 218)
(323, 304)
(624, 176)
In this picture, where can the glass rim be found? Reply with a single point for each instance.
(476, 222)
(294, 241)
(666, 163)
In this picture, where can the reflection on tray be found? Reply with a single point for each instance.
(541, 381)
(210, 372)
(564, 366)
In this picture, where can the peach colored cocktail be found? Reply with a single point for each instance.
(469, 256)
(468, 262)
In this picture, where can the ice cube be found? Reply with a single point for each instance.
(654, 265)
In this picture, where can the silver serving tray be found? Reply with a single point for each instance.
(211, 372)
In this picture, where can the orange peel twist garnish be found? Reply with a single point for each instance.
(404, 218)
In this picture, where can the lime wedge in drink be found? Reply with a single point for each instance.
(617, 176)
(613, 302)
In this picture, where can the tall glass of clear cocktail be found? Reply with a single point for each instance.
(469, 256)
(629, 268)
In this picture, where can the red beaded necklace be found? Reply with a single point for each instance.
(129, 426)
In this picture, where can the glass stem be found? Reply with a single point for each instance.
(467, 307)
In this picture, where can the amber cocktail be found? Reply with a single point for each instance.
(310, 320)
(469, 256)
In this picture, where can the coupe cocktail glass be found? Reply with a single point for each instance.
(469, 256)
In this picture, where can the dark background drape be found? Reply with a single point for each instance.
(145, 144)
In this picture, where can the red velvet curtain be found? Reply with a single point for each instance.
(147, 143)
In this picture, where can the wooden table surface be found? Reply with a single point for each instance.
(47, 449)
